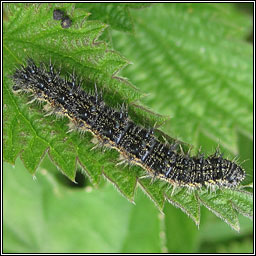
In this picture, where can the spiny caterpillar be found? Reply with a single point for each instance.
(112, 127)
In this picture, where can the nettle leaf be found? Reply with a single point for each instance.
(31, 31)
(196, 65)
(45, 216)
(117, 15)
(26, 130)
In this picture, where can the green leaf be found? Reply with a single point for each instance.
(187, 202)
(221, 206)
(203, 92)
(242, 201)
(46, 217)
(117, 15)
(197, 67)
(26, 131)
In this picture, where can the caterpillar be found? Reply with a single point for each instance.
(114, 128)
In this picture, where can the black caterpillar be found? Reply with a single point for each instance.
(112, 127)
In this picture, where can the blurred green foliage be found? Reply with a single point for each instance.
(195, 65)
